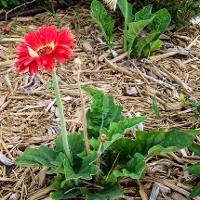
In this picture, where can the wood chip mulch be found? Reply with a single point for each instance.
(29, 116)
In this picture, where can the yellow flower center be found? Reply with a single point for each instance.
(32, 53)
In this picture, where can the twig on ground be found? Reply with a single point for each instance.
(177, 79)
(142, 191)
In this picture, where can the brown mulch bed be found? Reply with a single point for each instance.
(29, 117)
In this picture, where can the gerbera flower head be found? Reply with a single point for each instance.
(41, 48)
(111, 3)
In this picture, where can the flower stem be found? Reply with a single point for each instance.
(64, 132)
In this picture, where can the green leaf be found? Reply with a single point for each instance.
(134, 29)
(153, 143)
(122, 126)
(107, 144)
(37, 157)
(142, 42)
(161, 21)
(94, 143)
(195, 191)
(56, 185)
(76, 145)
(76, 141)
(195, 148)
(86, 171)
(155, 107)
(126, 10)
(154, 46)
(57, 164)
(104, 20)
(63, 189)
(173, 141)
(159, 149)
(133, 169)
(193, 132)
(194, 169)
(4, 3)
(109, 192)
(62, 195)
(103, 111)
(157, 23)
(144, 13)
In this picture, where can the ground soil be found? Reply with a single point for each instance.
(29, 117)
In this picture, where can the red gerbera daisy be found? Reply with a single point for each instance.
(42, 47)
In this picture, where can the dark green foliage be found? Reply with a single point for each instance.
(153, 143)
(37, 157)
(154, 24)
(109, 192)
(195, 170)
(133, 169)
(10, 3)
(103, 111)
(181, 10)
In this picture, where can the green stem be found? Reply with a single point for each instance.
(64, 132)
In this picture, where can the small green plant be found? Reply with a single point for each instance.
(195, 170)
(141, 30)
(155, 107)
(181, 10)
(26, 29)
(196, 106)
(8, 4)
(113, 156)
(104, 20)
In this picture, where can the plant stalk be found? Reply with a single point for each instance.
(85, 132)
(64, 132)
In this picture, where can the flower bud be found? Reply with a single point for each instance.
(103, 138)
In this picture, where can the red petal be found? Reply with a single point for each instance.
(63, 50)
(47, 34)
(33, 40)
(60, 57)
(22, 68)
(33, 68)
(50, 65)
(44, 59)
(65, 37)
